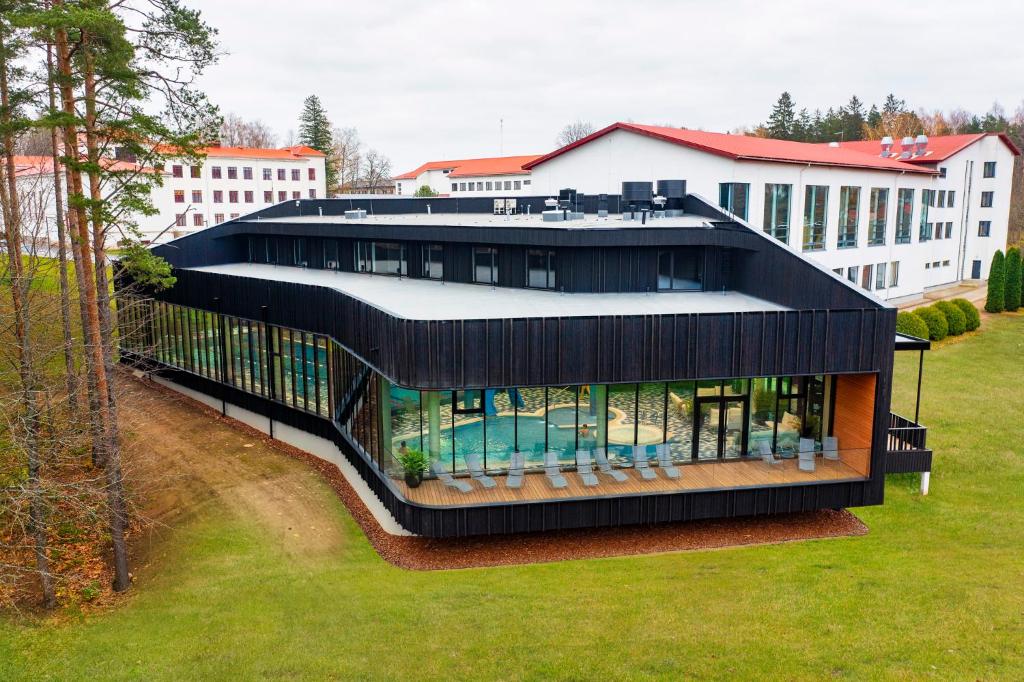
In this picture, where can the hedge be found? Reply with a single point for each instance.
(910, 324)
(996, 301)
(938, 328)
(955, 318)
(1013, 283)
(973, 317)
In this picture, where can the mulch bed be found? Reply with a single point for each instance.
(418, 553)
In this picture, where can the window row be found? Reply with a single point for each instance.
(488, 185)
(217, 173)
(872, 277)
(248, 196)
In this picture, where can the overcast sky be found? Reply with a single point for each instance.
(431, 80)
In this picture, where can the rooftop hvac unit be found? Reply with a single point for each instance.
(886, 147)
(602, 205)
(636, 200)
(674, 192)
(907, 147)
(357, 214)
(920, 145)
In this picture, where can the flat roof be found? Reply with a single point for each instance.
(422, 299)
(588, 222)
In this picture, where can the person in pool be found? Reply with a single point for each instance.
(585, 431)
(403, 449)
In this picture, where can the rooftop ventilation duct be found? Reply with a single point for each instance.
(602, 205)
(886, 147)
(566, 207)
(357, 214)
(906, 147)
(674, 192)
(920, 145)
(636, 199)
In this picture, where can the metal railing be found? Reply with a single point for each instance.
(905, 435)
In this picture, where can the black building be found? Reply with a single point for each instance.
(559, 369)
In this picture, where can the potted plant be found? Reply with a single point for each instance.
(414, 463)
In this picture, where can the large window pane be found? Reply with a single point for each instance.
(680, 419)
(433, 261)
(732, 196)
(763, 401)
(592, 416)
(878, 217)
(776, 211)
(540, 269)
(651, 414)
(530, 424)
(561, 416)
(904, 215)
(927, 199)
(815, 216)
(849, 216)
(485, 265)
(622, 420)
(681, 270)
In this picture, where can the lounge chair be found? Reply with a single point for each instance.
(554, 470)
(516, 464)
(448, 479)
(641, 465)
(767, 456)
(585, 468)
(830, 447)
(664, 454)
(476, 472)
(605, 467)
(806, 455)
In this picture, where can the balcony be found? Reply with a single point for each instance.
(906, 450)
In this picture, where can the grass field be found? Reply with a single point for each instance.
(935, 590)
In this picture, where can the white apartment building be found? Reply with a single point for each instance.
(230, 182)
(895, 221)
(472, 177)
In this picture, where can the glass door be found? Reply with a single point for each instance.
(720, 427)
(707, 425)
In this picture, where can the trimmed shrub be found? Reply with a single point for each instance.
(971, 314)
(996, 301)
(938, 328)
(1013, 283)
(910, 324)
(955, 318)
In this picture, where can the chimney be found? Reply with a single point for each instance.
(920, 145)
(886, 147)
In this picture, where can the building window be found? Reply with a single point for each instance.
(938, 230)
(680, 270)
(311, 173)
(878, 216)
(247, 173)
(924, 232)
(485, 265)
(516, 184)
(234, 215)
(776, 211)
(880, 276)
(455, 187)
(984, 228)
(295, 174)
(197, 219)
(732, 196)
(215, 172)
(296, 195)
(218, 196)
(942, 198)
(233, 196)
(894, 274)
(195, 171)
(815, 212)
(950, 195)
(838, 271)
(479, 187)
(268, 197)
(849, 215)
(949, 229)
(462, 187)
(945, 263)
(989, 169)
(433, 261)
(489, 185)
(867, 277)
(218, 218)
(176, 170)
(248, 196)
(986, 199)
(197, 196)
(526, 182)
(282, 195)
(540, 269)
(312, 193)
(280, 174)
(268, 174)
(508, 184)
(904, 215)
(851, 273)
(179, 220)
(942, 171)
(232, 173)
(179, 196)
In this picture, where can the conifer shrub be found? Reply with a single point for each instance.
(955, 318)
(996, 301)
(910, 324)
(938, 328)
(970, 311)
(1012, 285)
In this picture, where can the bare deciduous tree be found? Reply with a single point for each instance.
(347, 155)
(376, 171)
(572, 132)
(237, 132)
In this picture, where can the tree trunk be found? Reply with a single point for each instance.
(22, 332)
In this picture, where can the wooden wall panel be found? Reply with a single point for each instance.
(854, 419)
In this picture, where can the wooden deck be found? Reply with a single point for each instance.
(701, 476)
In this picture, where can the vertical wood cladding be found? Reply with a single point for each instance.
(854, 419)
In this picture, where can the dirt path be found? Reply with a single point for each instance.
(187, 457)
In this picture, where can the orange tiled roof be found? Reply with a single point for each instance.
(465, 168)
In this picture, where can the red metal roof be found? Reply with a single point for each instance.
(465, 168)
(27, 166)
(745, 147)
(939, 148)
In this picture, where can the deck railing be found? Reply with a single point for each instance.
(905, 434)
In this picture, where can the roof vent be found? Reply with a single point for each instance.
(357, 214)
(920, 145)
(906, 147)
(886, 146)
(636, 200)
(833, 144)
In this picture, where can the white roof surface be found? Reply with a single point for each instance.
(588, 222)
(420, 299)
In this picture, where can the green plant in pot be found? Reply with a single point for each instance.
(414, 463)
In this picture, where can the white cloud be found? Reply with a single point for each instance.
(431, 80)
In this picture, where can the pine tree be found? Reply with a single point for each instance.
(893, 106)
(853, 120)
(781, 121)
(803, 129)
(874, 117)
(1012, 287)
(996, 301)
(315, 132)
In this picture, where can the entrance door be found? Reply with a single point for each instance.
(976, 270)
(720, 428)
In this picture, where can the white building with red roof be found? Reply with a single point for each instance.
(895, 221)
(501, 175)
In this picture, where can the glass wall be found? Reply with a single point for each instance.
(540, 269)
(815, 217)
(904, 215)
(776, 211)
(878, 216)
(383, 258)
(849, 215)
(485, 265)
(433, 261)
(733, 197)
(681, 270)
(927, 199)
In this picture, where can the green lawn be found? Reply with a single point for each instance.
(935, 590)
